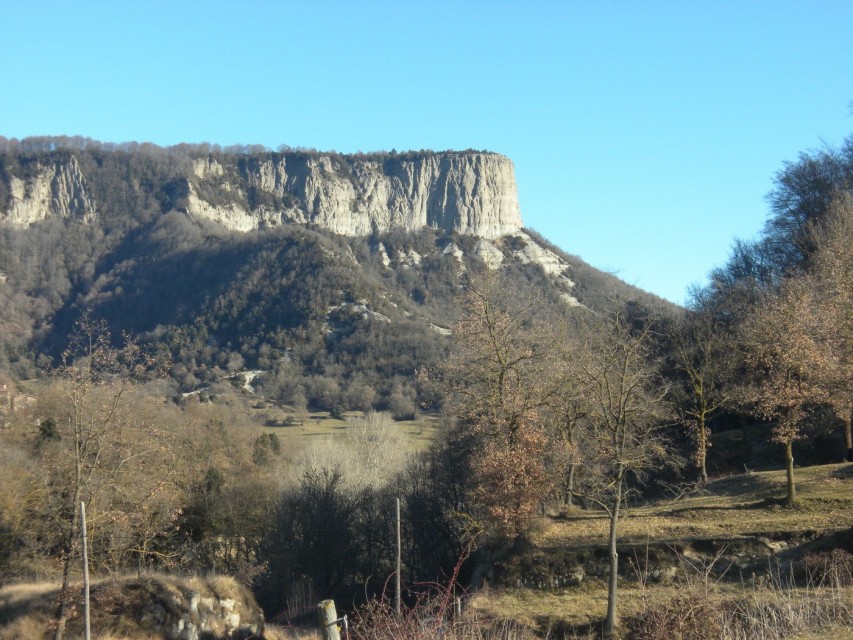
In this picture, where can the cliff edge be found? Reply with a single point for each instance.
(471, 193)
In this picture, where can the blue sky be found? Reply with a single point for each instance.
(645, 135)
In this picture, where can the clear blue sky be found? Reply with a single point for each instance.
(645, 134)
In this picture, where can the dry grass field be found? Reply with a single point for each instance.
(304, 426)
(705, 536)
(732, 507)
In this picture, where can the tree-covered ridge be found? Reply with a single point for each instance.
(46, 144)
(322, 314)
(136, 179)
(779, 308)
(212, 298)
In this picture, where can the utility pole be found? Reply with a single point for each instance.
(88, 630)
(399, 562)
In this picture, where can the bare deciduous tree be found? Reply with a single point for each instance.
(702, 357)
(101, 437)
(624, 396)
(832, 278)
(566, 412)
(497, 377)
(782, 345)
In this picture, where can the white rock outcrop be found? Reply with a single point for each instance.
(55, 189)
(229, 215)
(456, 253)
(552, 264)
(531, 252)
(383, 255)
(469, 193)
(489, 254)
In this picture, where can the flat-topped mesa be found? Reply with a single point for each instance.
(467, 192)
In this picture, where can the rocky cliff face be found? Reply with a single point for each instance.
(56, 189)
(470, 193)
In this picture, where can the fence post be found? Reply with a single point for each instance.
(399, 563)
(328, 620)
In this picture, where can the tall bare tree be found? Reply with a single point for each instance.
(701, 354)
(626, 410)
(98, 439)
(565, 413)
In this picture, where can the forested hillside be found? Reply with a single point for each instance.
(338, 322)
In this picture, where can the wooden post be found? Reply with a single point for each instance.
(399, 562)
(87, 629)
(328, 620)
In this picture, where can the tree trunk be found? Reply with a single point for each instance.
(71, 537)
(703, 450)
(62, 609)
(570, 486)
(791, 498)
(848, 437)
(65, 592)
(612, 620)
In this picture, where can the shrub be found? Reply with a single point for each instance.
(685, 617)
(770, 612)
(433, 616)
(323, 393)
(833, 569)
(265, 447)
(401, 407)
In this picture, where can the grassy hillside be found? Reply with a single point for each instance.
(729, 542)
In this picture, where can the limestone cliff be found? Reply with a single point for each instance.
(468, 192)
(55, 188)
